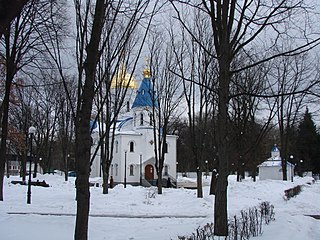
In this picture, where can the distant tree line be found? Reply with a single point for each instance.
(246, 154)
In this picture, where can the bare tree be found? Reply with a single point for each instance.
(197, 68)
(289, 79)
(21, 49)
(237, 26)
(245, 88)
(95, 29)
(65, 131)
(20, 116)
(89, 34)
(166, 96)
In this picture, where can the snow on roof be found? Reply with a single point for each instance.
(273, 162)
(121, 123)
(269, 163)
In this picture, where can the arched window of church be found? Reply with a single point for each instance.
(150, 116)
(165, 148)
(131, 146)
(141, 118)
(166, 170)
(116, 169)
(134, 119)
(131, 170)
(117, 146)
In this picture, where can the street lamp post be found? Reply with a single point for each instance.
(7, 157)
(243, 175)
(177, 171)
(206, 168)
(40, 165)
(66, 168)
(300, 168)
(292, 171)
(140, 169)
(125, 169)
(32, 131)
(35, 169)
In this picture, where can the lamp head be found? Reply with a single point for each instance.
(32, 130)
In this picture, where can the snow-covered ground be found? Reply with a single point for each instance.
(139, 213)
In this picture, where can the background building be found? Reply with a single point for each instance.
(272, 168)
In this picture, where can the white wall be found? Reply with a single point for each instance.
(144, 146)
(274, 173)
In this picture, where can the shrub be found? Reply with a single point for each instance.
(151, 193)
(292, 192)
(248, 224)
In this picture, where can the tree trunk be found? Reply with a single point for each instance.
(199, 184)
(83, 199)
(35, 169)
(213, 184)
(284, 169)
(83, 138)
(82, 153)
(284, 155)
(9, 9)
(160, 182)
(105, 184)
(4, 123)
(105, 173)
(220, 205)
(23, 170)
(66, 169)
(238, 175)
(1, 181)
(254, 175)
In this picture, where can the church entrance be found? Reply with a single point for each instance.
(149, 172)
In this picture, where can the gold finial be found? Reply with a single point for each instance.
(146, 71)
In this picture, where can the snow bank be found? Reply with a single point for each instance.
(140, 213)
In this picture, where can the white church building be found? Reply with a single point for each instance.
(133, 153)
(272, 167)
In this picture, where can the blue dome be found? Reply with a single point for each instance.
(275, 149)
(146, 96)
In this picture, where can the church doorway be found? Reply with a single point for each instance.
(149, 172)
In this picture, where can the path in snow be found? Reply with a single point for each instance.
(108, 215)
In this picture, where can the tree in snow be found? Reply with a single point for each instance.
(238, 26)
(307, 145)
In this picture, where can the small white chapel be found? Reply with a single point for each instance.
(272, 167)
(133, 153)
